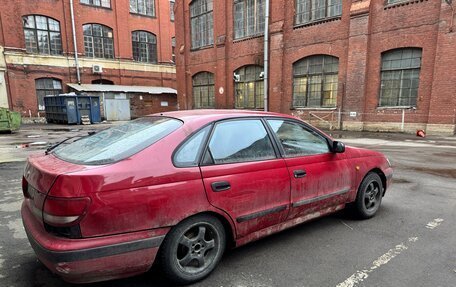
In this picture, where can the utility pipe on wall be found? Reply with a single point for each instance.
(75, 43)
(266, 55)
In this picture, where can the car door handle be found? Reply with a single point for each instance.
(299, 173)
(220, 186)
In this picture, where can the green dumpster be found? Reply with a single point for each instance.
(9, 121)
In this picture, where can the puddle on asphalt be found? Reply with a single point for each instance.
(450, 173)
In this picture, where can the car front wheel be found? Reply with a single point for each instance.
(369, 196)
(192, 249)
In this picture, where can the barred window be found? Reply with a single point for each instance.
(202, 23)
(203, 90)
(314, 10)
(248, 18)
(400, 77)
(47, 87)
(173, 49)
(143, 7)
(99, 3)
(249, 87)
(315, 81)
(42, 35)
(171, 9)
(98, 41)
(144, 47)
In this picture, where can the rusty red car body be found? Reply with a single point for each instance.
(124, 210)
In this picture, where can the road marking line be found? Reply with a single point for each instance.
(360, 275)
(434, 223)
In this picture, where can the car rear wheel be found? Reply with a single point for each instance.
(192, 249)
(369, 196)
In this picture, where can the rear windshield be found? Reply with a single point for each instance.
(117, 143)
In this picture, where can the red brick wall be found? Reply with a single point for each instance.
(365, 30)
(21, 78)
(150, 104)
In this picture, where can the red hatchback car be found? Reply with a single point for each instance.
(178, 188)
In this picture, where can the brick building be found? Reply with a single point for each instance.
(384, 65)
(120, 42)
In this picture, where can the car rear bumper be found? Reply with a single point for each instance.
(93, 259)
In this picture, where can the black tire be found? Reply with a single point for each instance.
(369, 196)
(192, 249)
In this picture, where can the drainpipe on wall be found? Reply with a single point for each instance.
(75, 43)
(266, 56)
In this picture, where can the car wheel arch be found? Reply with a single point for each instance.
(226, 221)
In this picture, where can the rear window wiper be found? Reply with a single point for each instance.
(51, 148)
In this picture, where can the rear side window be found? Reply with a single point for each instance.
(239, 141)
(297, 140)
(119, 142)
(188, 154)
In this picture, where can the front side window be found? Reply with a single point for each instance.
(42, 35)
(315, 10)
(400, 77)
(202, 23)
(117, 143)
(239, 141)
(143, 7)
(249, 87)
(144, 47)
(203, 91)
(248, 18)
(297, 140)
(98, 41)
(99, 3)
(315, 81)
(47, 87)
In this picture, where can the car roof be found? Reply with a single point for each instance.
(214, 115)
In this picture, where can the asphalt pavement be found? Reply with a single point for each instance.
(411, 241)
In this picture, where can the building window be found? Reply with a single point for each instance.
(248, 18)
(171, 10)
(143, 7)
(42, 35)
(400, 77)
(314, 10)
(47, 87)
(173, 49)
(202, 24)
(98, 41)
(99, 3)
(203, 90)
(144, 47)
(249, 87)
(395, 1)
(315, 81)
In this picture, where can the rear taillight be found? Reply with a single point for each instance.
(61, 212)
(25, 188)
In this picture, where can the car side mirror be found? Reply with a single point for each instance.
(338, 147)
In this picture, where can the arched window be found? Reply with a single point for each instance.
(42, 35)
(249, 87)
(102, 82)
(314, 10)
(400, 77)
(315, 81)
(203, 90)
(248, 18)
(202, 23)
(144, 46)
(98, 41)
(46, 87)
